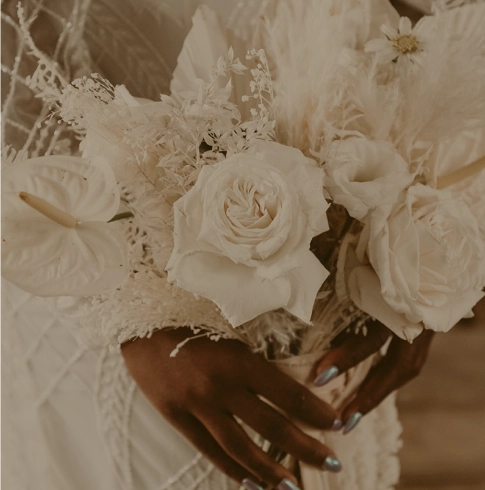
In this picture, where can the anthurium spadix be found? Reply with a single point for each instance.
(55, 237)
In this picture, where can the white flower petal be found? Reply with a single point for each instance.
(235, 289)
(95, 145)
(450, 313)
(205, 43)
(428, 256)
(85, 189)
(423, 27)
(305, 284)
(387, 55)
(363, 174)
(388, 31)
(405, 25)
(47, 259)
(377, 45)
(309, 181)
(364, 289)
(283, 158)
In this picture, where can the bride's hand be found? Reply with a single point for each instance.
(210, 385)
(402, 362)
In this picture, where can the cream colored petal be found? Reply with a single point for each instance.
(376, 45)
(305, 284)
(206, 42)
(235, 289)
(387, 55)
(46, 259)
(364, 288)
(447, 316)
(422, 28)
(87, 189)
(405, 25)
(388, 31)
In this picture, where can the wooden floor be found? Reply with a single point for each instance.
(443, 413)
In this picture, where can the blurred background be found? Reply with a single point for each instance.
(443, 413)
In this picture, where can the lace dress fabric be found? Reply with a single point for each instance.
(73, 417)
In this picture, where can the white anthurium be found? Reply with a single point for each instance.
(55, 237)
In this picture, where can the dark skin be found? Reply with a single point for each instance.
(208, 384)
(402, 363)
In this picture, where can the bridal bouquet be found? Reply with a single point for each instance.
(318, 179)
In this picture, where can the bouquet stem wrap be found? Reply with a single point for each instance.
(336, 393)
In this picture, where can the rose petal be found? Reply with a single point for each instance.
(449, 314)
(235, 289)
(305, 284)
(308, 180)
(364, 288)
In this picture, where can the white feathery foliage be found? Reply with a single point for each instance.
(374, 105)
(338, 90)
(313, 53)
(303, 46)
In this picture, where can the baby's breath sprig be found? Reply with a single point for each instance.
(261, 86)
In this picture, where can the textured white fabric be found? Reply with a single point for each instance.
(82, 423)
(73, 418)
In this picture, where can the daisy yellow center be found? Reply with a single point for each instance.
(406, 43)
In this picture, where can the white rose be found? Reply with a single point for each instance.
(363, 174)
(428, 262)
(242, 234)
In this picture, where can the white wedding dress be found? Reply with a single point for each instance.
(73, 419)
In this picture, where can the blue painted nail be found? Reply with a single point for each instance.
(250, 485)
(352, 422)
(332, 464)
(326, 375)
(337, 425)
(287, 485)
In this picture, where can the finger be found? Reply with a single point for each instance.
(402, 363)
(232, 438)
(290, 396)
(280, 431)
(352, 351)
(201, 438)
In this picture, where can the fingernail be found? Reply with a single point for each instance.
(332, 464)
(326, 375)
(287, 485)
(352, 422)
(250, 485)
(337, 425)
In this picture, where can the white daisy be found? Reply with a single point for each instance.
(404, 45)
